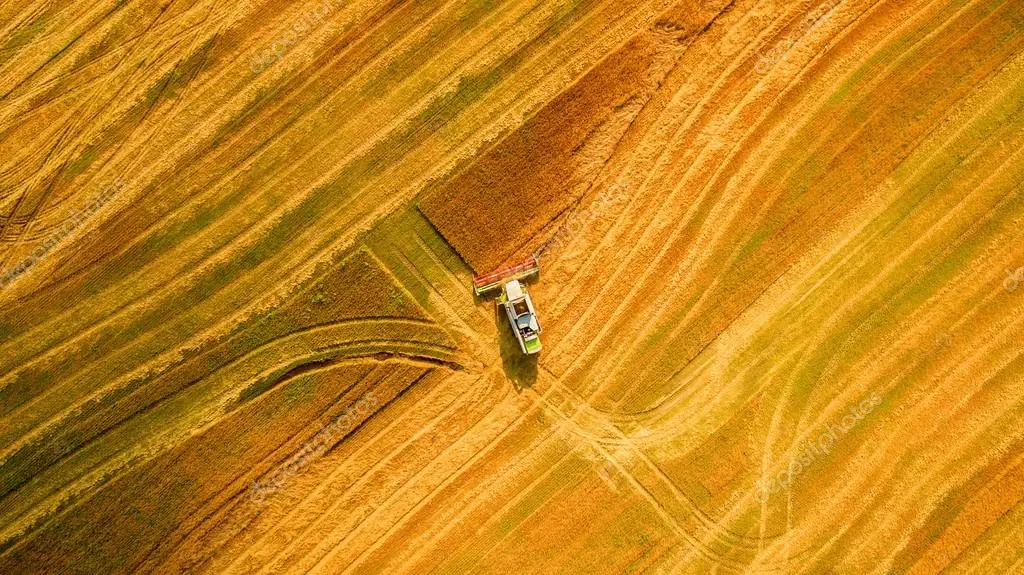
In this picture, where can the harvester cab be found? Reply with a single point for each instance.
(516, 301)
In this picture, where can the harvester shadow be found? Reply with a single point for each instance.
(519, 368)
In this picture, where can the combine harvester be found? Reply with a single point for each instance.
(516, 301)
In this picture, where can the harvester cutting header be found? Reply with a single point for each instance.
(516, 301)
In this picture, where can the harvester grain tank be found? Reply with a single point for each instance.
(519, 309)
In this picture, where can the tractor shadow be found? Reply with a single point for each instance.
(519, 368)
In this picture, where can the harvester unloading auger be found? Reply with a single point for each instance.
(516, 301)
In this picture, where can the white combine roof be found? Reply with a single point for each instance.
(513, 290)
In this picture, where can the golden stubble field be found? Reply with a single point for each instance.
(782, 286)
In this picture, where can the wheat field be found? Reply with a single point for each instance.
(782, 286)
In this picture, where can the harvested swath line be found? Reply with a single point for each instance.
(677, 509)
(884, 379)
(125, 35)
(997, 549)
(425, 487)
(851, 516)
(994, 550)
(643, 218)
(508, 479)
(595, 430)
(16, 26)
(108, 105)
(182, 479)
(563, 474)
(47, 33)
(59, 168)
(687, 146)
(166, 85)
(719, 465)
(137, 103)
(461, 509)
(35, 180)
(971, 322)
